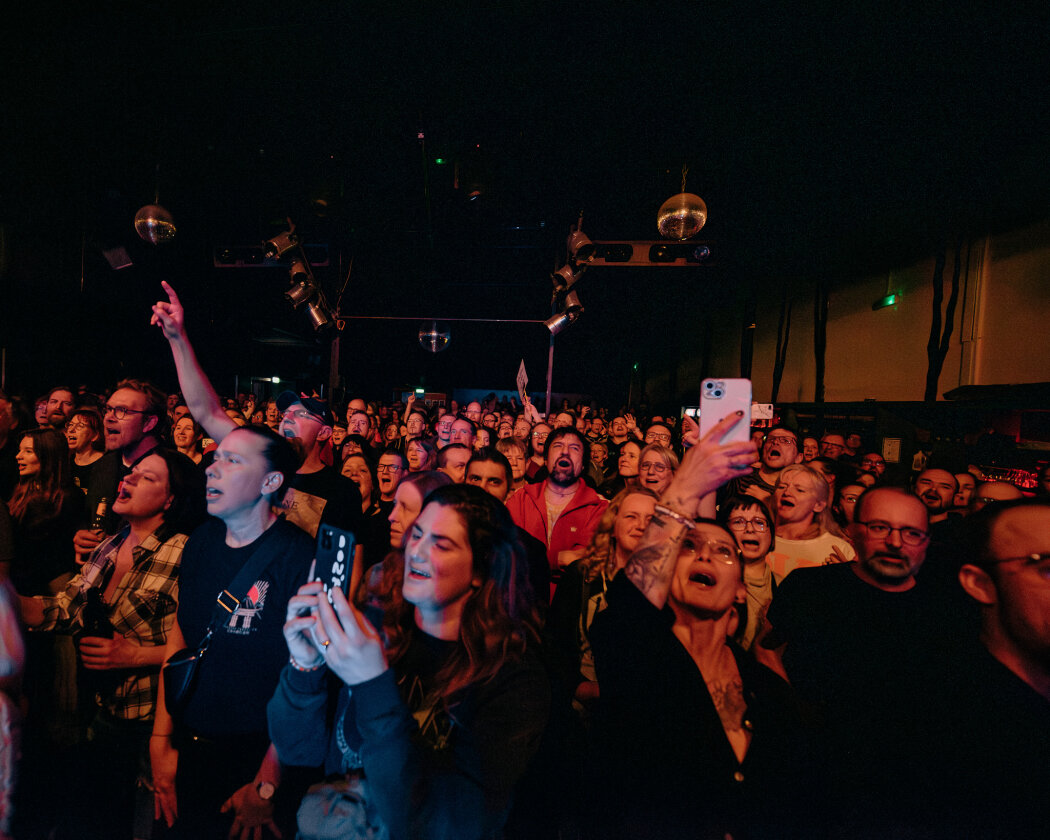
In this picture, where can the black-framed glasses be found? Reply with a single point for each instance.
(909, 536)
(385, 468)
(122, 411)
(739, 523)
(1040, 559)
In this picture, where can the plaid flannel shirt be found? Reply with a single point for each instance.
(142, 609)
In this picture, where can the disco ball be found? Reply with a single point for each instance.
(434, 336)
(681, 216)
(154, 224)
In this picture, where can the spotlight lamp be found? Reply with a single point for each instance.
(299, 293)
(571, 310)
(318, 315)
(580, 247)
(563, 278)
(274, 249)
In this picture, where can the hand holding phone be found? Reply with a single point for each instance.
(334, 559)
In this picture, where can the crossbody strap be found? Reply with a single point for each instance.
(227, 601)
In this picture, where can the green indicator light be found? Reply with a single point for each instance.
(439, 161)
(883, 302)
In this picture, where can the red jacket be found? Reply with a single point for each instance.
(573, 529)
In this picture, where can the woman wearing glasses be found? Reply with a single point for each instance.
(695, 738)
(751, 524)
(84, 436)
(656, 467)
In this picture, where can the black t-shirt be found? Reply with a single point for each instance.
(240, 669)
(324, 496)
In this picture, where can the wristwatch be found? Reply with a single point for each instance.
(266, 790)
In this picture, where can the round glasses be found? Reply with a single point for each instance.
(122, 411)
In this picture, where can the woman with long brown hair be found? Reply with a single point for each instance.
(44, 508)
(449, 698)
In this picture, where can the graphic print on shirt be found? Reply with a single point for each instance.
(435, 724)
(250, 610)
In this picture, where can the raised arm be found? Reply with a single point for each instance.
(705, 468)
(201, 398)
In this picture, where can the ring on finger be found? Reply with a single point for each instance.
(326, 643)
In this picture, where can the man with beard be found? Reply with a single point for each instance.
(562, 512)
(779, 450)
(60, 402)
(318, 493)
(855, 639)
(133, 420)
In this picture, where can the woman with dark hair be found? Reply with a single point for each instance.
(751, 524)
(130, 583)
(44, 508)
(86, 440)
(448, 697)
(187, 435)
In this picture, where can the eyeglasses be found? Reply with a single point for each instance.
(909, 536)
(651, 436)
(716, 550)
(781, 440)
(385, 468)
(302, 414)
(540, 435)
(739, 523)
(122, 411)
(76, 427)
(870, 462)
(1041, 561)
(653, 466)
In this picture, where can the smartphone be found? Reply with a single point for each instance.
(721, 397)
(334, 559)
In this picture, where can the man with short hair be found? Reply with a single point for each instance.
(779, 450)
(60, 402)
(936, 488)
(562, 512)
(659, 433)
(443, 428)
(993, 492)
(463, 432)
(357, 423)
(473, 412)
(856, 638)
(452, 460)
(134, 420)
(391, 468)
(832, 445)
(992, 753)
(874, 463)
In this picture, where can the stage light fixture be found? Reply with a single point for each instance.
(274, 249)
(580, 247)
(318, 315)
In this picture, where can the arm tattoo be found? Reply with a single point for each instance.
(652, 563)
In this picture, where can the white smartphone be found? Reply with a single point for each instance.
(722, 397)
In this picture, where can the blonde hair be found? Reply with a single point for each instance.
(601, 551)
(822, 490)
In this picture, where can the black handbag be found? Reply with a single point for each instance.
(182, 670)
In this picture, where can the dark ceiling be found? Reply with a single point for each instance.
(824, 140)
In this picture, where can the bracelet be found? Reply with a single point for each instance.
(305, 668)
(681, 519)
